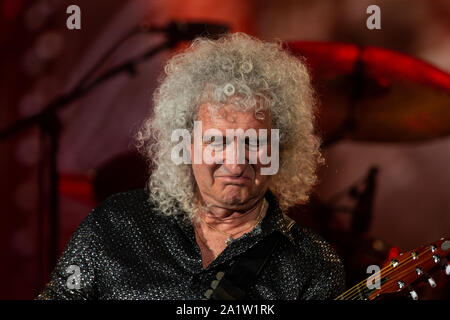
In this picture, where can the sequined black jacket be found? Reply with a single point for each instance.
(125, 249)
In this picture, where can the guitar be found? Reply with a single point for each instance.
(402, 272)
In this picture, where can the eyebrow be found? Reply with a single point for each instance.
(207, 138)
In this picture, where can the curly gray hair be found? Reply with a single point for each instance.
(261, 75)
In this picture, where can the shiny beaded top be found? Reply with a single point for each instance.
(125, 249)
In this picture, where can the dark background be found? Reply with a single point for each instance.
(41, 58)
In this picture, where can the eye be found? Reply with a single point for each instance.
(216, 141)
(251, 143)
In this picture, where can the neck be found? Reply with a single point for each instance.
(232, 221)
(215, 231)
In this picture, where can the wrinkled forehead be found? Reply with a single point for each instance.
(231, 116)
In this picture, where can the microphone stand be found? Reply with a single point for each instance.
(50, 126)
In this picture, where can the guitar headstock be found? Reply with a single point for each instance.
(411, 267)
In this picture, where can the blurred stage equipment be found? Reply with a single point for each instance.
(347, 227)
(374, 94)
(50, 125)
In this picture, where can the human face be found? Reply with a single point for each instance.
(228, 183)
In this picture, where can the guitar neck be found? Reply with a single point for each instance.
(403, 272)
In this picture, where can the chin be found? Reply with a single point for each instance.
(235, 197)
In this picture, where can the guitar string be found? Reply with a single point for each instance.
(406, 271)
(349, 294)
(410, 268)
(351, 291)
(355, 291)
(353, 294)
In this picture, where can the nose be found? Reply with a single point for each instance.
(235, 169)
(235, 159)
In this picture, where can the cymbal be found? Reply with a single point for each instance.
(374, 94)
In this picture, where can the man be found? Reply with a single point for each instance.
(231, 145)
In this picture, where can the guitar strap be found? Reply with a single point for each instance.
(244, 272)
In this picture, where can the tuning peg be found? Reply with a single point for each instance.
(445, 265)
(436, 258)
(432, 282)
(414, 295)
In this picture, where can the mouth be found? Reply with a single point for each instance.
(234, 180)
